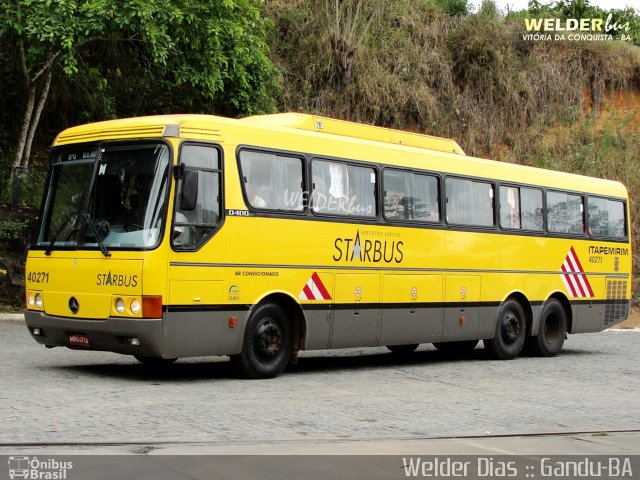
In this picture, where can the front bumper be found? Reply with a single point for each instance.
(111, 335)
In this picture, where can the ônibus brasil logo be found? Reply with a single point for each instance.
(36, 469)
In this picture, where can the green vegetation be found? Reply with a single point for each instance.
(424, 65)
(12, 233)
(209, 55)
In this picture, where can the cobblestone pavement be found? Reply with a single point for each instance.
(64, 396)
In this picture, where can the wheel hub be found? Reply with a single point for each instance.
(510, 328)
(269, 339)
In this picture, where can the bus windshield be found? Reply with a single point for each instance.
(116, 193)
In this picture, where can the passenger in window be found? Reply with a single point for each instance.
(395, 207)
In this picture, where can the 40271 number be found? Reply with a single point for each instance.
(38, 277)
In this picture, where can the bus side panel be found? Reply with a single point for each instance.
(318, 320)
(201, 333)
(462, 315)
(412, 309)
(357, 310)
(603, 314)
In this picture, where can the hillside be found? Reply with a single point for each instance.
(567, 106)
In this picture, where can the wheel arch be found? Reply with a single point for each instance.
(293, 312)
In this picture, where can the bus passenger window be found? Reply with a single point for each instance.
(565, 213)
(424, 198)
(342, 189)
(396, 184)
(272, 182)
(410, 196)
(531, 209)
(606, 217)
(510, 207)
(469, 202)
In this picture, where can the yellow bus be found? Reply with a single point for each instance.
(190, 235)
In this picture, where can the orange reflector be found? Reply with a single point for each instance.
(462, 320)
(233, 322)
(152, 306)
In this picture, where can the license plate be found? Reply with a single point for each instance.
(78, 340)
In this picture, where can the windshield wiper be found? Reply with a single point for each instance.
(54, 239)
(92, 226)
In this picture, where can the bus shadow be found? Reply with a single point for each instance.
(380, 360)
(221, 368)
(178, 372)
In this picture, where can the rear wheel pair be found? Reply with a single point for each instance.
(511, 331)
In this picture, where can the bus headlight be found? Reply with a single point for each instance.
(31, 300)
(38, 300)
(120, 306)
(134, 306)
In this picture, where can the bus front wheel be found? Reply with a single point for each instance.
(511, 331)
(266, 348)
(551, 332)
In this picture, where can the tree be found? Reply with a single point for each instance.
(214, 47)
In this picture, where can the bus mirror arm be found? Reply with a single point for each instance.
(178, 171)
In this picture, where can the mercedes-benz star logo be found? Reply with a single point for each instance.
(74, 305)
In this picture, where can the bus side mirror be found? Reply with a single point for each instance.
(189, 191)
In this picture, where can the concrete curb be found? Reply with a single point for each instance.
(11, 317)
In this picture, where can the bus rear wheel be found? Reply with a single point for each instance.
(551, 332)
(511, 331)
(266, 348)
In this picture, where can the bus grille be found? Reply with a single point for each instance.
(617, 306)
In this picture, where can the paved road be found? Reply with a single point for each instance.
(366, 398)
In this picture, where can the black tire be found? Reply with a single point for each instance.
(402, 349)
(266, 348)
(511, 331)
(459, 348)
(155, 361)
(551, 331)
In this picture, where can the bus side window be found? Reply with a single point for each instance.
(510, 207)
(396, 202)
(469, 202)
(606, 217)
(531, 211)
(272, 182)
(565, 213)
(410, 196)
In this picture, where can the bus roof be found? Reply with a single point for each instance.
(314, 123)
(450, 157)
(154, 126)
